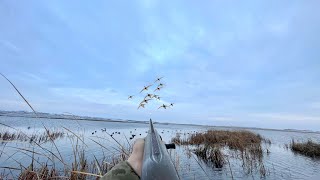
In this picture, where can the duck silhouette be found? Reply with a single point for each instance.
(141, 105)
(163, 106)
(146, 88)
(145, 101)
(160, 85)
(158, 79)
(149, 96)
(157, 89)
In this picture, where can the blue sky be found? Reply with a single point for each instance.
(248, 63)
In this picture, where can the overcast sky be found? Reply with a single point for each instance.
(239, 63)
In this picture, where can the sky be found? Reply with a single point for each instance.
(225, 63)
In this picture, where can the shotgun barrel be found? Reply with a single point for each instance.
(157, 163)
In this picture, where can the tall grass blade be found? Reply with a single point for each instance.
(19, 92)
(75, 135)
(98, 165)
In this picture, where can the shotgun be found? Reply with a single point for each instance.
(157, 162)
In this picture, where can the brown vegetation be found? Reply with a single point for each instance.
(308, 148)
(211, 145)
(234, 139)
(80, 168)
(20, 136)
(211, 155)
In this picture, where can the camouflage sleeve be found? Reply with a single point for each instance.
(121, 171)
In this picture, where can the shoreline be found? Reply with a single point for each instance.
(79, 118)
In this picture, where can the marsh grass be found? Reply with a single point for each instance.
(234, 139)
(215, 147)
(211, 154)
(81, 167)
(309, 148)
(40, 138)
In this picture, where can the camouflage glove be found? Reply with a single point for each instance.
(121, 171)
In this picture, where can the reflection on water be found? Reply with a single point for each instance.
(280, 163)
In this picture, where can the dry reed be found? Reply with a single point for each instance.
(48, 135)
(211, 146)
(309, 148)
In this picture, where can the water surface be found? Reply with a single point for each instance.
(280, 163)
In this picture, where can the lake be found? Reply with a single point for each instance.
(280, 163)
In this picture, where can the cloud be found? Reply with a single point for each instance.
(148, 4)
(315, 105)
(220, 118)
(223, 63)
(98, 96)
(285, 117)
(15, 105)
(32, 78)
(9, 46)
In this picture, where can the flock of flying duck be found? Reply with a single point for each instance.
(149, 96)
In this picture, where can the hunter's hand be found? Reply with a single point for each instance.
(135, 159)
